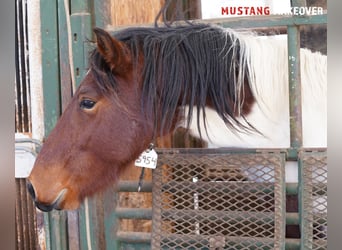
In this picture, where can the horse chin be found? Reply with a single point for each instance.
(67, 200)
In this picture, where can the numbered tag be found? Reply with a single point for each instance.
(147, 159)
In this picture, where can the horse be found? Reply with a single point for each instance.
(143, 83)
(272, 110)
(271, 114)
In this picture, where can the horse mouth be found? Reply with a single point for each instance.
(54, 205)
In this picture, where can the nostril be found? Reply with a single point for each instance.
(31, 190)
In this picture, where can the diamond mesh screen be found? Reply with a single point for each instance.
(218, 200)
(314, 199)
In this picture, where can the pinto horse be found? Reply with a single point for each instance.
(270, 115)
(144, 82)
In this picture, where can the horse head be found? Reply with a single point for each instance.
(97, 134)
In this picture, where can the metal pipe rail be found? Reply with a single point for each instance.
(146, 214)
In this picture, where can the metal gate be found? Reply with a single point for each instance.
(200, 197)
(203, 200)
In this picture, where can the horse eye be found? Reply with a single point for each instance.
(87, 104)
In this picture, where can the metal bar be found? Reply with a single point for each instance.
(280, 205)
(318, 189)
(134, 237)
(101, 11)
(73, 230)
(298, 3)
(293, 244)
(183, 240)
(227, 216)
(35, 62)
(29, 140)
(65, 75)
(295, 101)
(55, 222)
(292, 219)
(202, 186)
(296, 134)
(134, 213)
(81, 32)
(56, 232)
(135, 245)
(50, 63)
(91, 219)
(301, 206)
(111, 220)
(271, 21)
(132, 186)
(306, 206)
(291, 188)
(225, 151)
(79, 6)
(81, 26)
(257, 21)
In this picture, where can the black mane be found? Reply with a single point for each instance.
(186, 65)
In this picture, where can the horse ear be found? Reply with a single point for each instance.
(114, 52)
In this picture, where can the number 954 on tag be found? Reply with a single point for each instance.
(147, 159)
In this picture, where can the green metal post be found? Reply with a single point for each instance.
(301, 205)
(112, 222)
(55, 222)
(81, 26)
(101, 13)
(92, 232)
(50, 64)
(296, 134)
(63, 49)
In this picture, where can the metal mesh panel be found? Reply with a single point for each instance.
(218, 200)
(314, 199)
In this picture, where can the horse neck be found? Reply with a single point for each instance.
(314, 77)
(269, 65)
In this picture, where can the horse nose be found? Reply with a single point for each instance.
(31, 190)
(41, 206)
(44, 208)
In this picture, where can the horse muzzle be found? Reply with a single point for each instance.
(45, 207)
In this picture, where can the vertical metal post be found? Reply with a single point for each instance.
(298, 3)
(81, 25)
(296, 134)
(295, 95)
(50, 64)
(63, 51)
(303, 225)
(55, 222)
(101, 12)
(112, 222)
